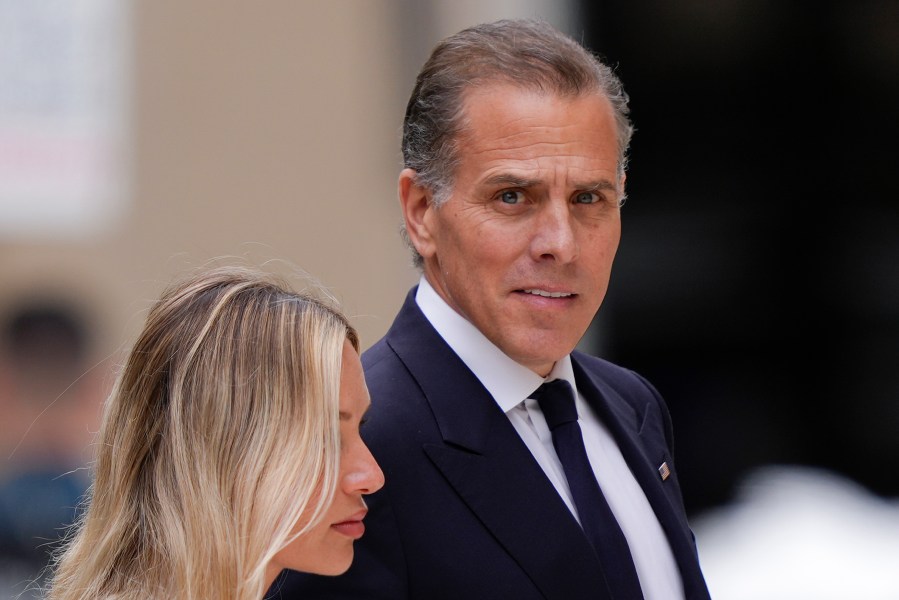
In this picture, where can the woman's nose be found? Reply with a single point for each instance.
(366, 476)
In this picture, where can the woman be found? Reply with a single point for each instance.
(229, 450)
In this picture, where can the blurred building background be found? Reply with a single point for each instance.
(757, 284)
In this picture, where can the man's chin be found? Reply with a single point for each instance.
(543, 362)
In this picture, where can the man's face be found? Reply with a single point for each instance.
(523, 248)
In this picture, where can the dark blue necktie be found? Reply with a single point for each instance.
(556, 400)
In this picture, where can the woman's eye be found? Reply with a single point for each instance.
(511, 197)
(586, 198)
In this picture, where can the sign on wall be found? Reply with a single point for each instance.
(64, 95)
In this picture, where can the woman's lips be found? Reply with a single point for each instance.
(353, 527)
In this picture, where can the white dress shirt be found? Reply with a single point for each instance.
(510, 384)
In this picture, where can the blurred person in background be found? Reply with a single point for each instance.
(49, 401)
(229, 448)
(517, 467)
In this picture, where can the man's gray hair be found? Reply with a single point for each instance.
(528, 53)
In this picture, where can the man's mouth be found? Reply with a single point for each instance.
(545, 294)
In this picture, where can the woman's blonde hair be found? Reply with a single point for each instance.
(221, 433)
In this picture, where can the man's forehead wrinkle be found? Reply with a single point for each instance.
(543, 150)
(535, 136)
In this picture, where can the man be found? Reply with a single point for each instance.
(515, 140)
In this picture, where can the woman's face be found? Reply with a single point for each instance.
(327, 549)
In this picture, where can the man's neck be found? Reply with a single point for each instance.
(506, 380)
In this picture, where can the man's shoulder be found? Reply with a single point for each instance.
(399, 419)
(602, 367)
(388, 379)
(628, 383)
(376, 354)
(381, 363)
(382, 355)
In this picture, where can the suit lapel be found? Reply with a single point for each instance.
(490, 468)
(644, 451)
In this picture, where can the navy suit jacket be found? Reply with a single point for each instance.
(466, 511)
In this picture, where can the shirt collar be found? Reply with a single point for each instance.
(507, 381)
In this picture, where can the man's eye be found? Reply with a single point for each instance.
(586, 198)
(511, 197)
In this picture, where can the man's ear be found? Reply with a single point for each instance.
(415, 202)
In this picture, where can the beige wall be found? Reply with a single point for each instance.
(266, 131)
(263, 131)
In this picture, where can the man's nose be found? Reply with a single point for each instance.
(554, 234)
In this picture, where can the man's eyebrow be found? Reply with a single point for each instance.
(506, 179)
(597, 186)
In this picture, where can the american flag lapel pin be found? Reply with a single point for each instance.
(664, 471)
